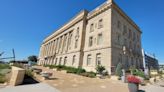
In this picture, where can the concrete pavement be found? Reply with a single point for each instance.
(40, 87)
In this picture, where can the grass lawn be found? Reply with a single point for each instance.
(4, 69)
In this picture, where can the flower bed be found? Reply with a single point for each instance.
(73, 70)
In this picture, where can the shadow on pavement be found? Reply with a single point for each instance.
(141, 91)
(29, 80)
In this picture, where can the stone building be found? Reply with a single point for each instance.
(105, 36)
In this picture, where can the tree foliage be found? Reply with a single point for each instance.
(32, 58)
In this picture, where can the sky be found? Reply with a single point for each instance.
(25, 23)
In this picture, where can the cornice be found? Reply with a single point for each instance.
(123, 14)
(80, 16)
(105, 6)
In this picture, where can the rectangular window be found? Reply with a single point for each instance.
(89, 60)
(125, 30)
(100, 23)
(118, 24)
(98, 59)
(92, 28)
(77, 32)
(90, 41)
(76, 43)
(99, 39)
(130, 33)
(134, 36)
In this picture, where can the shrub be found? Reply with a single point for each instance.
(119, 70)
(89, 74)
(52, 66)
(75, 70)
(46, 65)
(71, 70)
(80, 70)
(100, 69)
(138, 73)
(60, 67)
(29, 73)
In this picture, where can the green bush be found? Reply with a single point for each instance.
(52, 66)
(29, 73)
(119, 70)
(61, 67)
(89, 74)
(138, 73)
(46, 65)
(100, 69)
(80, 70)
(71, 70)
(75, 70)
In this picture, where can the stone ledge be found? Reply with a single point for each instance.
(17, 76)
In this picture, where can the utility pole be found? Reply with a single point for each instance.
(2, 53)
(13, 54)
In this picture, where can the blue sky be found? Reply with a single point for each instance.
(25, 23)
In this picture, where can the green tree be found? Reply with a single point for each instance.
(33, 58)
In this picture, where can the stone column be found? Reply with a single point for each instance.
(66, 43)
(46, 50)
(51, 48)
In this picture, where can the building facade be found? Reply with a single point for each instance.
(105, 36)
(149, 61)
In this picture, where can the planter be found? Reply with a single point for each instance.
(133, 87)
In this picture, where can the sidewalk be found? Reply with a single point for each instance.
(40, 87)
(154, 88)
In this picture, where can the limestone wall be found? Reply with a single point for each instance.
(17, 76)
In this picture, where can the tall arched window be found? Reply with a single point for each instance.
(74, 60)
(65, 60)
(89, 60)
(98, 59)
